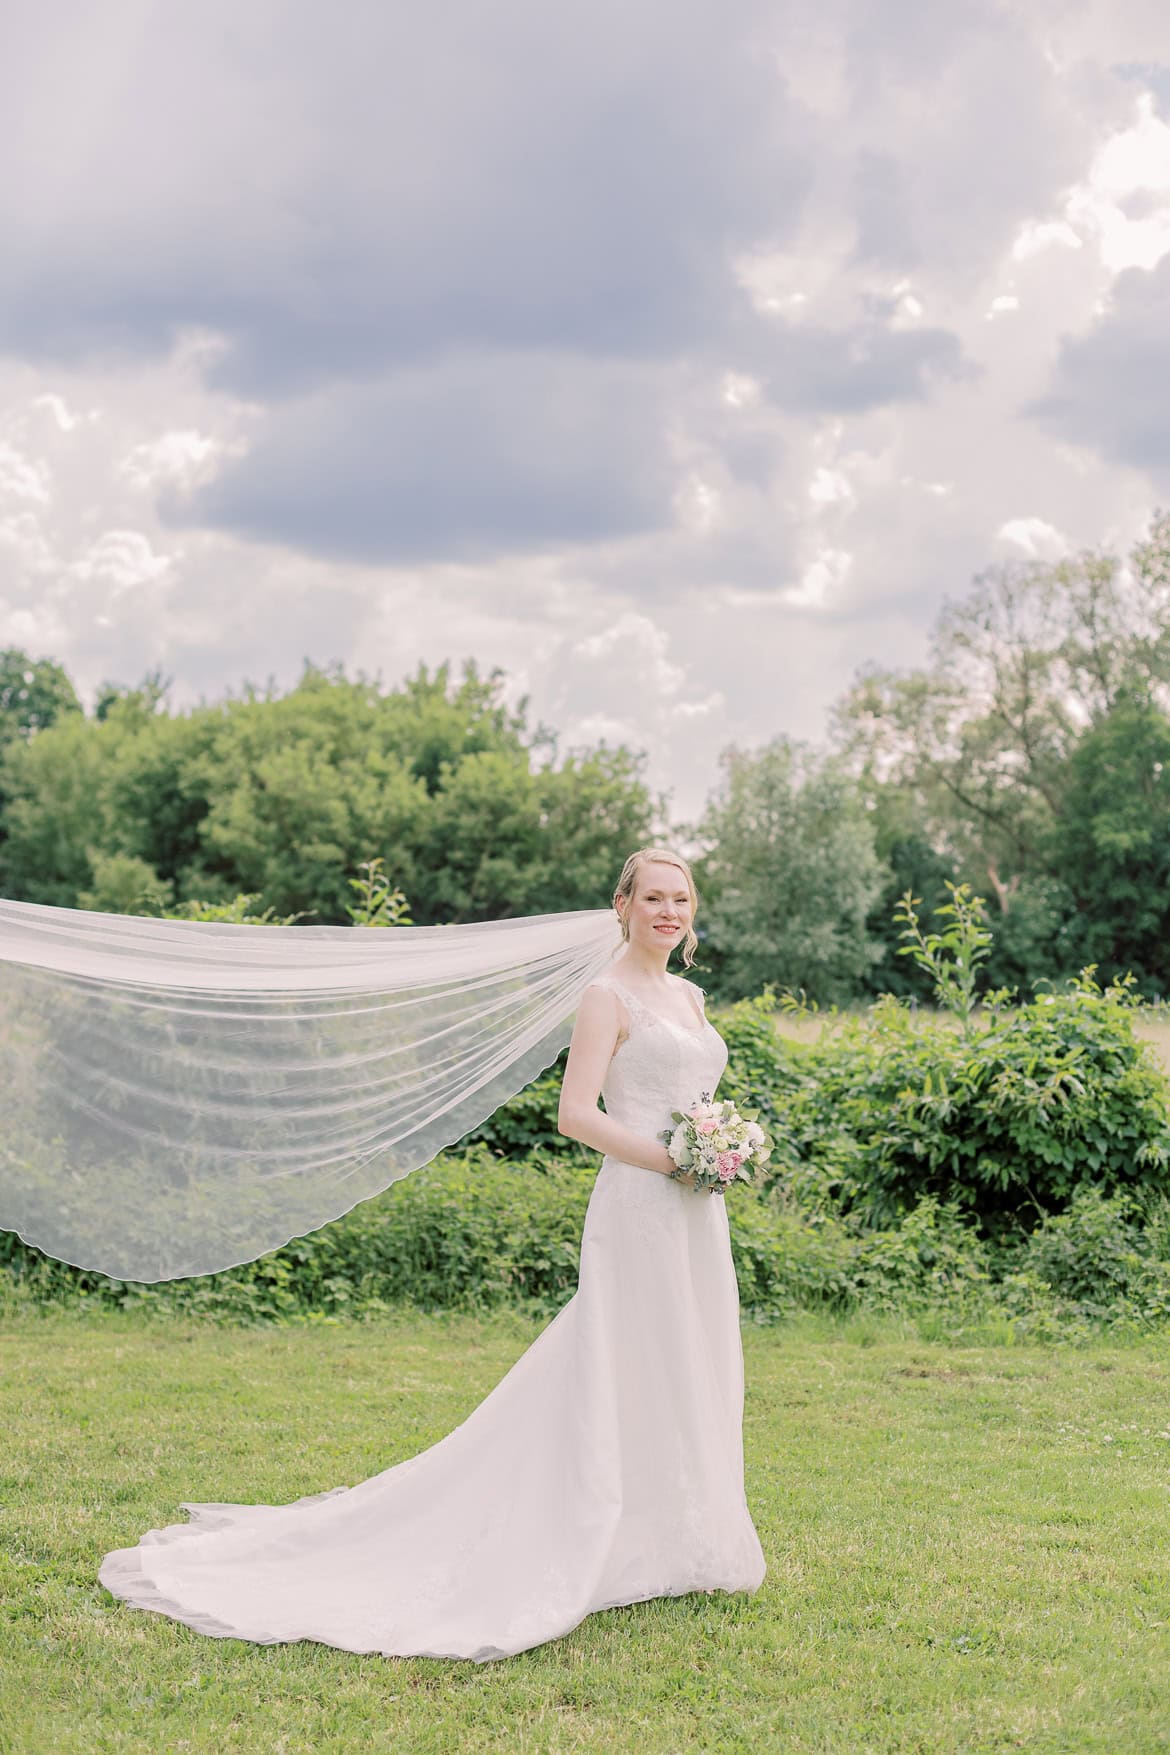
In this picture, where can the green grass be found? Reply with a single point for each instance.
(968, 1549)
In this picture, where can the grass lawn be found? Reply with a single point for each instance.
(968, 1549)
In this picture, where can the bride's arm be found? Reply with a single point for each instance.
(595, 1035)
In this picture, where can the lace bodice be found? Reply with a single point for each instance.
(661, 1065)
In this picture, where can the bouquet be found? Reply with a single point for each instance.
(716, 1142)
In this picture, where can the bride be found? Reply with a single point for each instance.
(606, 1466)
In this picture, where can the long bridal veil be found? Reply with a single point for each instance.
(177, 1097)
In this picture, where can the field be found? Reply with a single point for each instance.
(1158, 1032)
(1150, 1027)
(968, 1550)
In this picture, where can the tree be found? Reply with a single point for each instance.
(503, 840)
(149, 696)
(1111, 843)
(789, 875)
(34, 693)
(53, 787)
(1036, 655)
(284, 797)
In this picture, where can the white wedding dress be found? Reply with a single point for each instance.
(605, 1468)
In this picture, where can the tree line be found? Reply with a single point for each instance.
(1029, 758)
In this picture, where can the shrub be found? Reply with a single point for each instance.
(932, 1258)
(526, 1125)
(463, 1232)
(469, 1233)
(1102, 1257)
(785, 1261)
(762, 1068)
(1004, 1123)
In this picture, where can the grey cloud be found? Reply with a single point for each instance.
(484, 454)
(466, 259)
(885, 229)
(1108, 390)
(338, 193)
(956, 129)
(829, 371)
(475, 457)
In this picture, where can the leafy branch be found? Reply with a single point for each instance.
(378, 902)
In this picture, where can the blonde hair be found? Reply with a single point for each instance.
(628, 881)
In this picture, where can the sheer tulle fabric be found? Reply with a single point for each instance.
(177, 1096)
(606, 1467)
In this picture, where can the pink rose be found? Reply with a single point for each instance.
(727, 1163)
(705, 1127)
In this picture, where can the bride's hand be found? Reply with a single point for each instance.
(685, 1181)
(688, 1181)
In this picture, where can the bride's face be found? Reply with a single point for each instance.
(659, 911)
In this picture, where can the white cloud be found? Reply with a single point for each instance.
(821, 580)
(828, 487)
(180, 459)
(22, 477)
(1123, 204)
(700, 709)
(1036, 235)
(121, 559)
(63, 415)
(637, 642)
(740, 390)
(697, 504)
(1034, 537)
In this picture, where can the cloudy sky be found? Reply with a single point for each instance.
(678, 360)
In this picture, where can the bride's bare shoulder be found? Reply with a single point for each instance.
(598, 994)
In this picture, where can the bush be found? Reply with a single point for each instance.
(1004, 1123)
(469, 1233)
(464, 1232)
(526, 1125)
(1018, 1170)
(785, 1261)
(1102, 1258)
(932, 1258)
(763, 1070)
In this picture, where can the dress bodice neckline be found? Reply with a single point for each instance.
(648, 1011)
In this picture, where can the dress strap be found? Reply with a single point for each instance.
(629, 1000)
(701, 995)
(616, 986)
